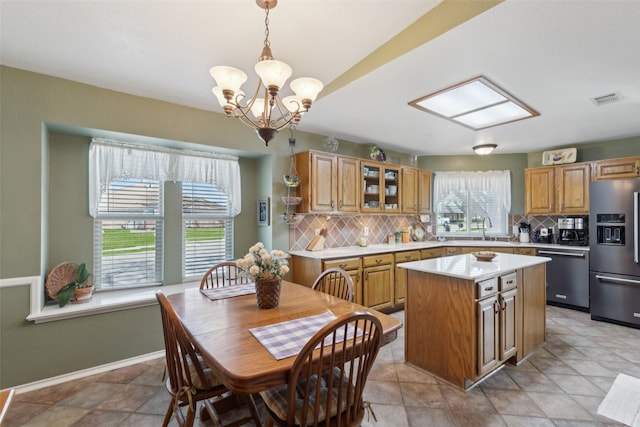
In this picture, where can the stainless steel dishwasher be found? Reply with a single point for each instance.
(567, 277)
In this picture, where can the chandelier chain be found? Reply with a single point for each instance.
(266, 26)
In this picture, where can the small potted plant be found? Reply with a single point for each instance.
(79, 290)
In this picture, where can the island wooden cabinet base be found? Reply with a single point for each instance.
(443, 334)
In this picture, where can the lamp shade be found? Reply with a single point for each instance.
(273, 72)
(484, 149)
(228, 78)
(306, 88)
(217, 91)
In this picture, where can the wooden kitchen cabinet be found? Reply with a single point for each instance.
(410, 191)
(377, 284)
(416, 191)
(497, 321)
(431, 253)
(382, 188)
(424, 191)
(524, 251)
(487, 325)
(572, 184)
(558, 190)
(539, 191)
(451, 250)
(352, 267)
(348, 184)
(329, 183)
(477, 326)
(622, 168)
(401, 274)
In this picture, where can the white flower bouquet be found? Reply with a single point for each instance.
(260, 264)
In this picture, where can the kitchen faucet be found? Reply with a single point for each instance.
(490, 225)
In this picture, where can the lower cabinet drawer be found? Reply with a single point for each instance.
(345, 264)
(374, 260)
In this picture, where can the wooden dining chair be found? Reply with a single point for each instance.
(328, 376)
(224, 274)
(190, 380)
(336, 282)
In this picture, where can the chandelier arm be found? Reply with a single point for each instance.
(286, 115)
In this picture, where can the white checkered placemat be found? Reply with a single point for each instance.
(286, 339)
(229, 291)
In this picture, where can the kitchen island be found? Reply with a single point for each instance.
(465, 318)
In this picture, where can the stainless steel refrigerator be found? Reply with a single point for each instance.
(614, 262)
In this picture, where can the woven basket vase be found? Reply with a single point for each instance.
(268, 293)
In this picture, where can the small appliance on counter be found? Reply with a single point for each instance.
(572, 232)
(524, 232)
(546, 235)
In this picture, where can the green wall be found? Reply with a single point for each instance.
(45, 127)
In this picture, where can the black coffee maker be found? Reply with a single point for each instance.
(573, 232)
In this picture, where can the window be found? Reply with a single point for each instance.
(207, 232)
(127, 203)
(128, 234)
(472, 204)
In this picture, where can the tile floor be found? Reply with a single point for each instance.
(562, 384)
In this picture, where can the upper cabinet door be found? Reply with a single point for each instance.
(539, 191)
(572, 183)
(627, 167)
(424, 191)
(391, 195)
(409, 190)
(323, 184)
(348, 184)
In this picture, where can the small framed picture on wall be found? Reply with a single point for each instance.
(263, 211)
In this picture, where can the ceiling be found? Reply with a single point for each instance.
(553, 55)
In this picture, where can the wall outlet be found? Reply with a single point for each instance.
(429, 229)
(515, 230)
(317, 231)
(366, 231)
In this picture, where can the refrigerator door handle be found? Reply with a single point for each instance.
(636, 226)
(616, 279)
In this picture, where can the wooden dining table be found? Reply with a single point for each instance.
(220, 330)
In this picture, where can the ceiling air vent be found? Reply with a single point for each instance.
(607, 99)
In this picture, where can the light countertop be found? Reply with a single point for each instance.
(378, 248)
(467, 267)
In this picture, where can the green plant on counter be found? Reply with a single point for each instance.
(83, 280)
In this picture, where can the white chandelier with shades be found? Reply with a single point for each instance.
(266, 111)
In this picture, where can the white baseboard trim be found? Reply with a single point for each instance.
(24, 388)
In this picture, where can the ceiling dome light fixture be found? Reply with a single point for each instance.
(269, 113)
(484, 149)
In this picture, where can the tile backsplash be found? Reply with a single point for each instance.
(345, 230)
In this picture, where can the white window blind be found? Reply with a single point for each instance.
(207, 227)
(128, 234)
(470, 203)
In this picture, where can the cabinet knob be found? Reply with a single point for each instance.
(407, 257)
(342, 266)
(378, 261)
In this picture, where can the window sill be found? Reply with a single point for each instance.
(102, 302)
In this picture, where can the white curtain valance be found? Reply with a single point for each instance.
(496, 182)
(112, 161)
